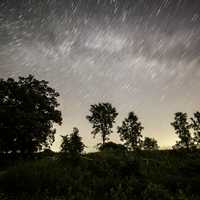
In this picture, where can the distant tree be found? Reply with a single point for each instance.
(72, 144)
(111, 146)
(150, 144)
(182, 129)
(177, 146)
(196, 127)
(27, 113)
(102, 118)
(47, 152)
(130, 132)
(65, 145)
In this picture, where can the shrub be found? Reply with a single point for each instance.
(156, 192)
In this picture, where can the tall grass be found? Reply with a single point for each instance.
(106, 175)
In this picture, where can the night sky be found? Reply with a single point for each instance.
(139, 55)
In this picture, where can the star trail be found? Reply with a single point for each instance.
(140, 55)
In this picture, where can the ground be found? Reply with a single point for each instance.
(146, 175)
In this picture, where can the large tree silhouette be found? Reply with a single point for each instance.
(182, 129)
(27, 113)
(130, 132)
(102, 118)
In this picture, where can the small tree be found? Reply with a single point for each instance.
(130, 132)
(102, 118)
(182, 129)
(150, 144)
(196, 127)
(72, 144)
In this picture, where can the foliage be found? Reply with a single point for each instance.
(111, 146)
(150, 144)
(154, 191)
(47, 152)
(106, 175)
(130, 132)
(102, 118)
(27, 113)
(72, 143)
(196, 127)
(28, 109)
(182, 128)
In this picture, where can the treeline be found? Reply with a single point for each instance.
(28, 111)
(29, 108)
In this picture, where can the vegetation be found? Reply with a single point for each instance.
(117, 171)
(111, 146)
(27, 113)
(188, 132)
(102, 118)
(106, 175)
(150, 144)
(72, 144)
(182, 127)
(196, 127)
(130, 132)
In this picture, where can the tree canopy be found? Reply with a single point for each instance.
(130, 132)
(182, 129)
(111, 146)
(28, 110)
(150, 144)
(196, 127)
(102, 118)
(72, 144)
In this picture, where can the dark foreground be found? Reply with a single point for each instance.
(157, 175)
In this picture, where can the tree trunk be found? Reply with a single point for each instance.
(104, 138)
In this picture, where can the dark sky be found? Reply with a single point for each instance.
(140, 55)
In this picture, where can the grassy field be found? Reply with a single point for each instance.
(166, 175)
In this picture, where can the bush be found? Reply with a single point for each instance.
(156, 192)
(111, 146)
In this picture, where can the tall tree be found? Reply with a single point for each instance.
(150, 144)
(27, 113)
(131, 132)
(182, 129)
(196, 127)
(72, 144)
(102, 118)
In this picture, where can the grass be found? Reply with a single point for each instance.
(105, 175)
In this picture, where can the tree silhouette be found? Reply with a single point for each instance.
(130, 132)
(72, 144)
(102, 118)
(196, 127)
(182, 129)
(111, 146)
(150, 144)
(27, 113)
